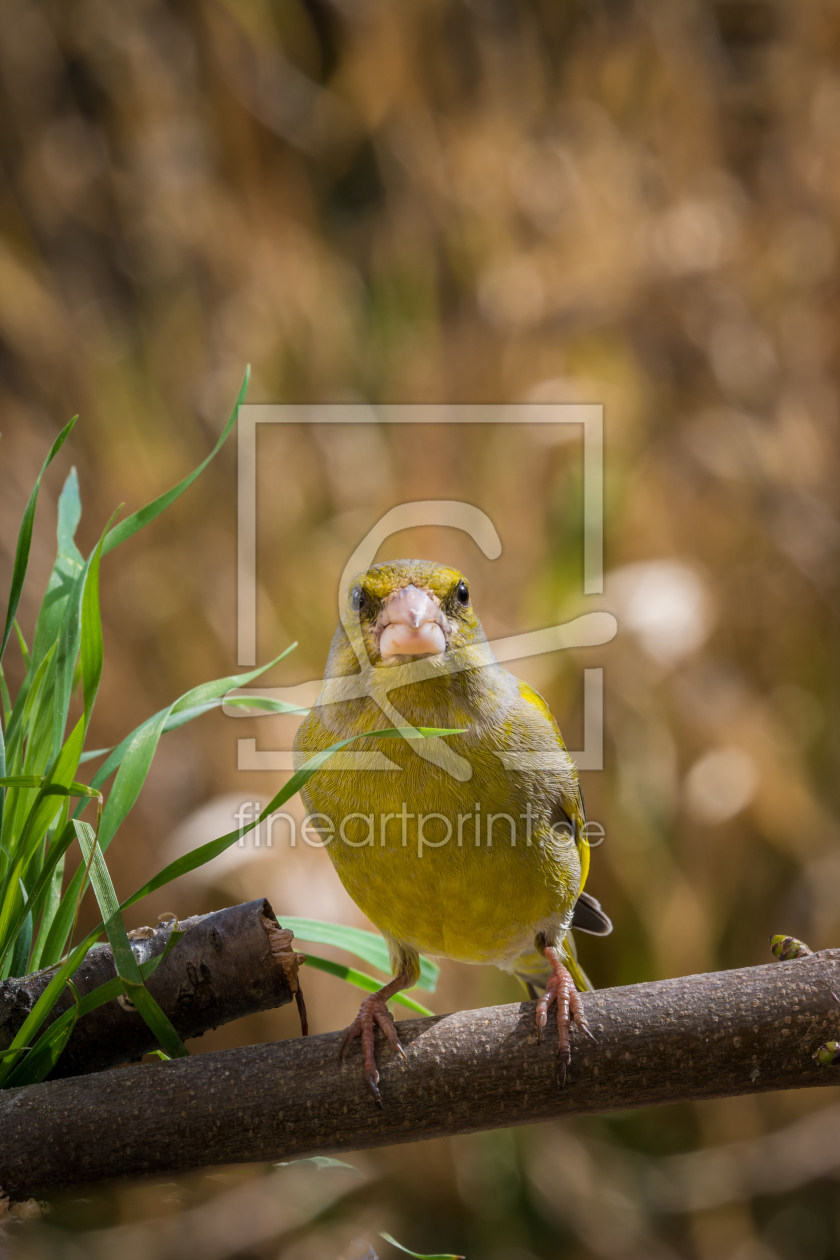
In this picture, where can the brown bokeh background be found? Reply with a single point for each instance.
(488, 201)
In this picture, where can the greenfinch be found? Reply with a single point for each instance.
(469, 846)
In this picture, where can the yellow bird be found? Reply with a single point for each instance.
(468, 846)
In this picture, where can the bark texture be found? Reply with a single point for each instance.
(229, 964)
(709, 1036)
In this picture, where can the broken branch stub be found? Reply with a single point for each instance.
(231, 963)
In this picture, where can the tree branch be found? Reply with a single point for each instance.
(230, 963)
(709, 1036)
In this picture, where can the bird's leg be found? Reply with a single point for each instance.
(374, 1011)
(560, 988)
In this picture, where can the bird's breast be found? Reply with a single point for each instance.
(466, 871)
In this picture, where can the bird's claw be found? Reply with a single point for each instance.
(373, 1013)
(372, 1079)
(560, 989)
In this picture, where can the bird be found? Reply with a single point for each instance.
(469, 846)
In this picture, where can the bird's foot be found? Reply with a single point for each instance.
(372, 1013)
(560, 989)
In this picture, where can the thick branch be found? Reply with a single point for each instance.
(230, 963)
(733, 1032)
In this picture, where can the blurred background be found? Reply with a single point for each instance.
(635, 204)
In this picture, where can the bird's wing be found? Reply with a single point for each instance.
(570, 804)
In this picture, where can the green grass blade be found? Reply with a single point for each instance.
(92, 753)
(24, 650)
(28, 697)
(9, 934)
(65, 658)
(216, 690)
(91, 630)
(124, 958)
(55, 785)
(24, 541)
(66, 569)
(48, 998)
(131, 775)
(181, 718)
(52, 900)
(40, 780)
(2, 773)
(5, 698)
(44, 1055)
(58, 933)
(12, 737)
(81, 629)
(127, 528)
(34, 698)
(69, 515)
(22, 943)
(84, 789)
(265, 704)
(10, 1054)
(40, 858)
(125, 961)
(320, 1161)
(29, 749)
(362, 981)
(158, 1023)
(194, 702)
(365, 945)
(368, 946)
(417, 1254)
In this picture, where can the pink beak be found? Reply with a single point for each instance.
(411, 624)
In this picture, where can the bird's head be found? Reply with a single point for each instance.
(410, 609)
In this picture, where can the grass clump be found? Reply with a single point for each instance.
(42, 797)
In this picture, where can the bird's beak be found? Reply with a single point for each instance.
(411, 624)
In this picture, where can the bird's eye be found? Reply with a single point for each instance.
(357, 599)
(462, 594)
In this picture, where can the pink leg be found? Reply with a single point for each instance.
(560, 988)
(373, 1012)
